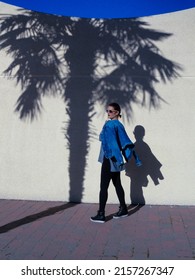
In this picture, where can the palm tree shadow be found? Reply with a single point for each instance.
(34, 217)
(150, 168)
(70, 57)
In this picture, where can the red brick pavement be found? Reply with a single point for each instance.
(40, 230)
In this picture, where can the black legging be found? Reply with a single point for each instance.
(106, 176)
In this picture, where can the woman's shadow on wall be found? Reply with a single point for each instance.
(139, 175)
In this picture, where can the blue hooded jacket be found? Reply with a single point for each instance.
(115, 145)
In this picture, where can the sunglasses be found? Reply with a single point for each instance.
(110, 111)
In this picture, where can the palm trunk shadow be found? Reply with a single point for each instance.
(35, 217)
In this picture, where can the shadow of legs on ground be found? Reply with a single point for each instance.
(132, 208)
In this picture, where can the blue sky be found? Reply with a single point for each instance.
(104, 8)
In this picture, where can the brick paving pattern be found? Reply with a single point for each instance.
(38, 230)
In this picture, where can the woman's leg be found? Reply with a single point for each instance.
(104, 184)
(103, 195)
(116, 179)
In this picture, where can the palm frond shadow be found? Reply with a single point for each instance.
(85, 61)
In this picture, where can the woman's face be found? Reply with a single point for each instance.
(112, 113)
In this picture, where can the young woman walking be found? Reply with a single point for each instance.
(116, 148)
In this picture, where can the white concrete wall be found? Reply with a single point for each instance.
(34, 156)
